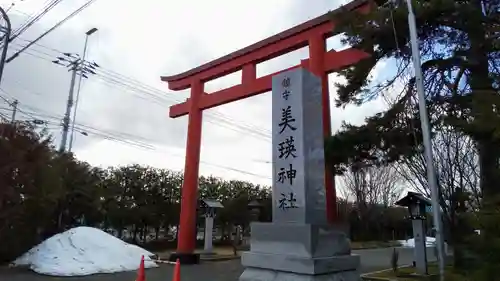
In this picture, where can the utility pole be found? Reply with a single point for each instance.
(84, 55)
(69, 104)
(77, 66)
(424, 117)
(14, 111)
(6, 30)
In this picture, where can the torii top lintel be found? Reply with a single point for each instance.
(246, 59)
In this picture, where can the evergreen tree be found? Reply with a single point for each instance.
(460, 48)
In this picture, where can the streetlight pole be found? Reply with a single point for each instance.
(84, 55)
(424, 117)
(6, 36)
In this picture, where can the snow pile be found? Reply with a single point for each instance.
(410, 243)
(83, 251)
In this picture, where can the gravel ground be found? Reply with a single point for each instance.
(209, 271)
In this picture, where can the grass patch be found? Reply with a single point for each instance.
(357, 245)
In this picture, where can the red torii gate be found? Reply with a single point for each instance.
(313, 34)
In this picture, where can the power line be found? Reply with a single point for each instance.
(14, 104)
(114, 135)
(109, 76)
(4, 117)
(37, 113)
(153, 92)
(11, 8)
(50, 30)
(6, 99)
(216, 119)
(120, 137)
(117, 79)
(30, 15)
(33, 19)
(159, 97)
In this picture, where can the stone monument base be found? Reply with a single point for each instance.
(208, 253)
(185, 258)
(296, 252)
(255, 274)
(300, 265)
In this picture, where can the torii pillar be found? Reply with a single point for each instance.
(321, 62)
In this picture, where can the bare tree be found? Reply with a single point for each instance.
(373, 185)
(373, 189)
(457, 169)
(343, 191)
(456, 163)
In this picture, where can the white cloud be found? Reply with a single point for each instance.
(149, 38)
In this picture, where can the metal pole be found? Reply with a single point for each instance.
(431, 176)
(5, 41)
(84, 55)
(14, 111)
(69, 104)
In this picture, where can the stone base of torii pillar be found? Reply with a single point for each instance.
(299, 244)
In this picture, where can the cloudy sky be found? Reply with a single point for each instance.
(124, 108)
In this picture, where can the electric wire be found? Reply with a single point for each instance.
(74, 13)
(33, 19)
(30, 16)
(4, 117)
(39, 114)
(154, 93)
(114, 136)
(114, 78)
(105, 135)
(159, 97)
(147, 89)
(147, 92)
(16, 11)
(11, 7)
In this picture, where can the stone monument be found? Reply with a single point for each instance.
(299, 244)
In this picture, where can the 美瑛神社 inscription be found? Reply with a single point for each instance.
(298, 157)
(299, 243)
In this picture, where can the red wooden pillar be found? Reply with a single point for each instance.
(187, 226)
(317, 51)
(248, 74)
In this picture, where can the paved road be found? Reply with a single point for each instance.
(377, 259)
(374, 259)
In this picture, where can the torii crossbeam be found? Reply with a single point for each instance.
(321, 62)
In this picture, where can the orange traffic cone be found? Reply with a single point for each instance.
(177, 271)
(141, 275)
